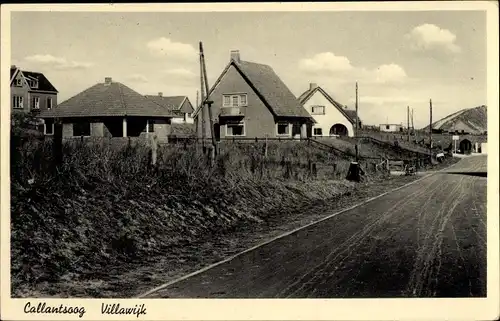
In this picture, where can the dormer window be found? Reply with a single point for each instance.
(34, 84)
(19, 82)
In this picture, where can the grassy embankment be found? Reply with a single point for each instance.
(105, 205)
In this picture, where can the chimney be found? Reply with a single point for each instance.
(235, 55)
(107, 81)
(160, 94)
(13, 67)
(313, 86)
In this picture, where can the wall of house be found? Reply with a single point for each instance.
(392, 128)
(484, 148)
(258, 119)
(22, 92)
(331, 117)
(43, 99)
(67, 130)
(162, 129)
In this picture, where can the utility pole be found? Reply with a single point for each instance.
(201, 106)
(413, 126)
(357, 121)
(207, 101)
(430, 129)
(408, 121)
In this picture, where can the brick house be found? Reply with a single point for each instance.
(332, 118)
(250, 100)
(180, 106)
(31, 91)
(109, 109)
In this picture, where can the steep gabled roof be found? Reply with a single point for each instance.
(43, 83)
(113, 99)
(348, 113)
(269, 87)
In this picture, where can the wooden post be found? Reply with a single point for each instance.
(154, 149)
(408, 121)
(57, 144)
(208, 102)
(430, 131)
(202, 106)
(356, 128)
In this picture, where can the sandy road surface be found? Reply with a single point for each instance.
(425, 240)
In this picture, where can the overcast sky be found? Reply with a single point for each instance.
(398, 58)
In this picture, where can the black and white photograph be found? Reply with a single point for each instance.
(246, 154)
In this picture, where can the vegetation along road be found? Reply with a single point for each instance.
(427, 239)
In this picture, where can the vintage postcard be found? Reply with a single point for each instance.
(250, 161)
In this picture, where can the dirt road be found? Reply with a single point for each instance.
(425, 240)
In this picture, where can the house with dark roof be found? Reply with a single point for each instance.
(250, 100)
(109, 109)
(179, 106)
(331, 117)
(31, 91)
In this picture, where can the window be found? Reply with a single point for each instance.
(387, 127)
(35, 103)
(19, 82)
(17, 102)
(318, 110)
(49, 103)
(318, 131)
(239, 100)
(49, 127)
(81, 129)
(235, 129)
(283, 129)
(243, 100)
(34, 84)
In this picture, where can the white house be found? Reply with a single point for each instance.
(180, 106)
(332, 118)
(391, 128)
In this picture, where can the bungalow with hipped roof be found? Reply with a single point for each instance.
(332, 118)
(109, 109)
(250, 100)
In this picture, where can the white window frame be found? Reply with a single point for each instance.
(34, 84)
(317, 113)
(37, 102)
(320, 128)
(45, 129)
(49, 99)
(19, 82)
(288, 126)
(231, 97)
(20, 102)
(239, 123)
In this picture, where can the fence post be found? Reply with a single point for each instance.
(154, 149)
(57, 144)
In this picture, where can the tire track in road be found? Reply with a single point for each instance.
(426, 253)
(343, 251)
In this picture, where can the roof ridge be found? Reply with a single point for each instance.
(121, 96)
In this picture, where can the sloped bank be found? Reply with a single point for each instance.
(81, 229)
